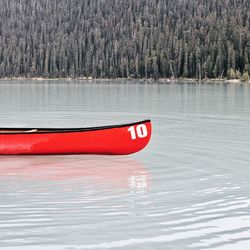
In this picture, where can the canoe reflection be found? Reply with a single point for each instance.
(115, 171)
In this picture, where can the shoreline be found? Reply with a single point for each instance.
(160, 80)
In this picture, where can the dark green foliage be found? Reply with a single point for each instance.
(124, 38)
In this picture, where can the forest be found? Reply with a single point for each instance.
(199, 39)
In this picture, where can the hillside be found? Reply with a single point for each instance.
(124, 38)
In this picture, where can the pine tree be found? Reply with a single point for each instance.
(146, 38)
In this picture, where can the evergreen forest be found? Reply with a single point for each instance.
(125, 38)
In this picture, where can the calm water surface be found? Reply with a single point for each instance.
(189, 189)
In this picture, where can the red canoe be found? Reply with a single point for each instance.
(115, 140)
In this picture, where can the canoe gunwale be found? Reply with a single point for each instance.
(28, 131)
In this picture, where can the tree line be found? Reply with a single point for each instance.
(125, 38)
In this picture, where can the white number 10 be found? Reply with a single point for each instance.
(138, 131)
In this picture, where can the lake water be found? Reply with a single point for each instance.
(189, 189)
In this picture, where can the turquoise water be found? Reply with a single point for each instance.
(189, 189)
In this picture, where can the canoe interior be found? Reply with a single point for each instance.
(11, 131)
(61, 130)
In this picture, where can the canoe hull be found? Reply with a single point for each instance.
(120, 140)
